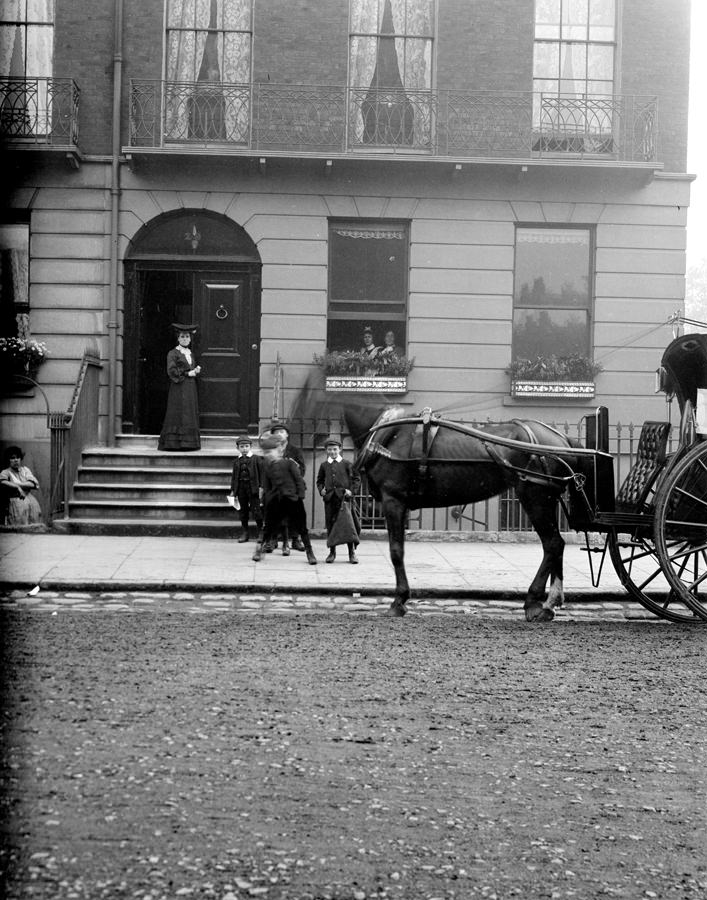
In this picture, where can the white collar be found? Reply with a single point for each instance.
(247, 455)
(334, 459)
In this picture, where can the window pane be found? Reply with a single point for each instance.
(575, 15)
(40, 10)
(600, 62)
(368, 265)
(236, 15)
(547, 18)
(547, 60)
(12, 10)
(552, 268)
(547, 332)
(602, 18)
(39, 51)
(419, 17)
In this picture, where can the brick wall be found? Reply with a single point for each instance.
(655, 59)
(485, 45)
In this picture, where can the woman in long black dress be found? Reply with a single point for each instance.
(180, 430)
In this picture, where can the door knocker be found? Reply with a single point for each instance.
(222, 312)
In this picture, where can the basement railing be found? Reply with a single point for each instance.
(70, 432)
(42, 111)
(328, 120)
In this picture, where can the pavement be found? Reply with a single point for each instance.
(50, 571)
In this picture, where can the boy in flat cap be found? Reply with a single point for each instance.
(283, 495)
(247, 485)
(337, 482)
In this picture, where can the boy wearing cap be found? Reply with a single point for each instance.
(337, 481)
(247, 485)
(283, 493)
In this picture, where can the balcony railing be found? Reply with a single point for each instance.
(319, 120)
(40, 111)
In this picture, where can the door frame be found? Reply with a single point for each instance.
(132, 416)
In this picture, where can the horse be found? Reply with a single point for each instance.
(425, 461)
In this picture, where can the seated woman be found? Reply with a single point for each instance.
(16, 484)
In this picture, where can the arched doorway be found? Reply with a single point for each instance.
(197, 267)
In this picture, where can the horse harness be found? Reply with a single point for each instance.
(424, 436)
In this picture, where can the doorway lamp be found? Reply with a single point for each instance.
(193, 237)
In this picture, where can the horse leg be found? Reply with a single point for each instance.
(542, 510)
(394, 512)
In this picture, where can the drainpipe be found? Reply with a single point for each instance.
(114, 219)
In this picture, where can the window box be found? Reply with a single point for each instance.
(367, 384)
(562, 390)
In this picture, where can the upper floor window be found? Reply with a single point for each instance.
(26, 38)
(390, 72)
(208, 70)
(368, 288)
(26, 60)
(552, 296)
(573, 73)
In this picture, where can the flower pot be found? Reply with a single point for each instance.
(562, 390)
(367, 384)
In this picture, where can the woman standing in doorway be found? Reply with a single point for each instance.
(180, 430)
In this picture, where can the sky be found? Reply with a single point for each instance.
(697, 137)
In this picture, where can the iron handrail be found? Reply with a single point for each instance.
(70, 431)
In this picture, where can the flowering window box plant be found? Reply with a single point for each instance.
(564, 377)
(20, 357)
(352, 371)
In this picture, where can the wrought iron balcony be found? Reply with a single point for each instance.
(40, 111)
(343, 122)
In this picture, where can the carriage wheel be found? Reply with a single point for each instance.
(681, 528)
(636, 561)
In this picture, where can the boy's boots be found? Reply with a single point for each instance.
(258, 555)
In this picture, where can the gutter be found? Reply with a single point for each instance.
(114, 219)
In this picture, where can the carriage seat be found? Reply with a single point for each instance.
(649, 461)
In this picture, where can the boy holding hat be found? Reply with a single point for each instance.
(247, 485)
(337, 481)
(283, 495)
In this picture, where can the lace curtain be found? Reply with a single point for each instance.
(414, 54)
(189, 25)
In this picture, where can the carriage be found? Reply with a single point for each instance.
(653, 528)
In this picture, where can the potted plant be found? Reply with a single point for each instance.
(569, 376)
(352, 371)
(20, 357)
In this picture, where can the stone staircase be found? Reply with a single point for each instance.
(133, 488)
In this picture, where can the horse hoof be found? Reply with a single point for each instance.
(536, 612)
(395, 610)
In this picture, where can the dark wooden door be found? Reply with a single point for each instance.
(229, 346)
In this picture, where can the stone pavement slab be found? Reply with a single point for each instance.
(457, 569)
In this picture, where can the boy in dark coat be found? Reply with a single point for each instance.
(291, 451)
(246, 485)
(283, 495)
(337, 481)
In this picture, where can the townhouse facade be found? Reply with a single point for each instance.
(491, 181)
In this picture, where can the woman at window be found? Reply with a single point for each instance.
(369, 349)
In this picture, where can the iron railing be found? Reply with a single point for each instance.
(70, 432)
(316, 120)
(40, 111)
(502, 514)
